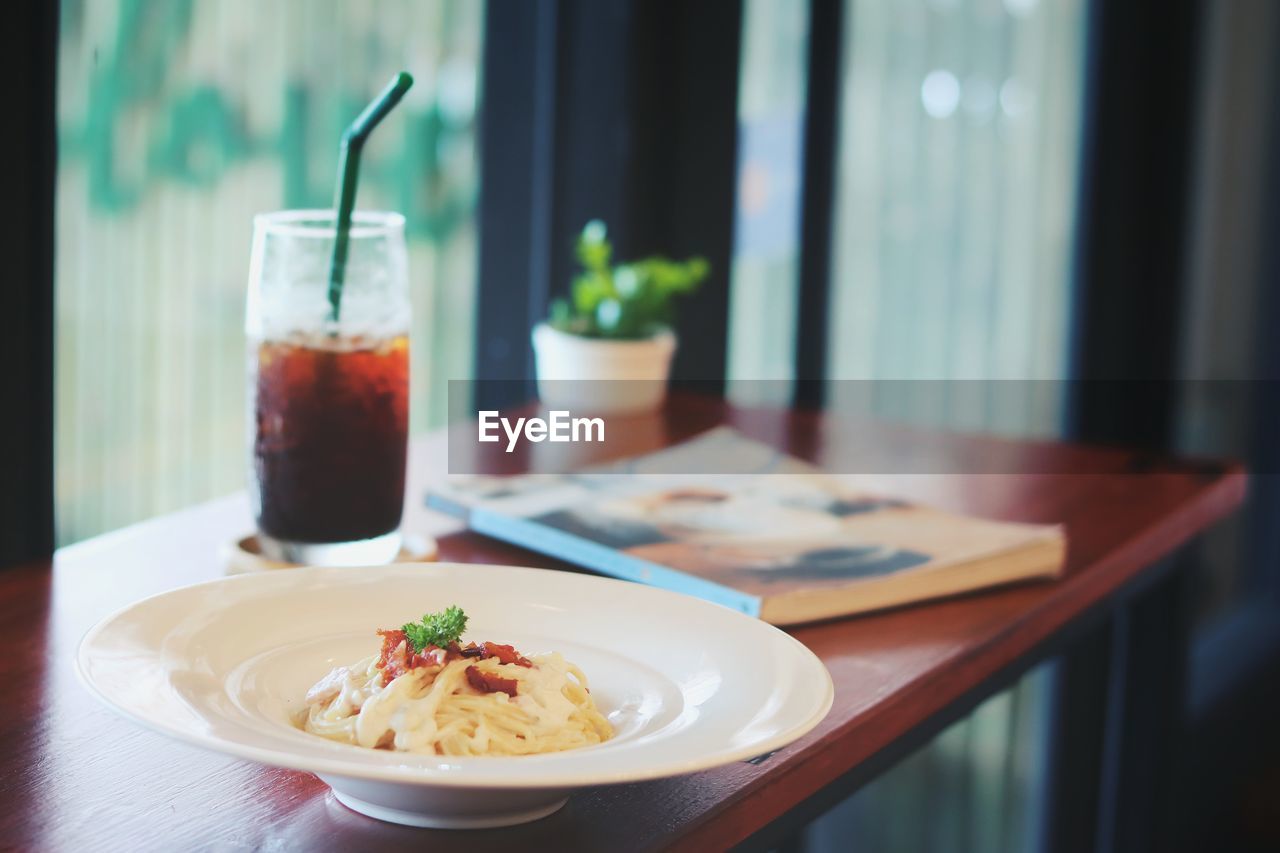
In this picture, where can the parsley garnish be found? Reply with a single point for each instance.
(436, 629)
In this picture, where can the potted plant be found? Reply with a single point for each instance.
(615, 325)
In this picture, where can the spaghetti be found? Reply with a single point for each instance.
(484, 699)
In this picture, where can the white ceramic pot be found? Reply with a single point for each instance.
(602, 376)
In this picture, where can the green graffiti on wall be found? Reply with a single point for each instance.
(198, 131)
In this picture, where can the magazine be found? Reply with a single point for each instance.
(764, 533)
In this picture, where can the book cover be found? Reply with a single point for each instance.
(766, 534)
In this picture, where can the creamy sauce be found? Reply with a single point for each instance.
(543, 698)
(378, 711)
(414, 724)
(405, 714)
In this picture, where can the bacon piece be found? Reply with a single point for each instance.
(505, 654)
(488, 682)
(391, 642)
(397, 656)
(501, 653)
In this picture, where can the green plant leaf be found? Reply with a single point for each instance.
(594, 248)
(609, 315)
(626, 282)
(627, 300)
(560, 314)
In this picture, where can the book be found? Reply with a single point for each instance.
(732, 520)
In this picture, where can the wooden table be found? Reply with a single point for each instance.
(75, 776)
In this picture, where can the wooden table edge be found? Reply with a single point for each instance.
(755, 813)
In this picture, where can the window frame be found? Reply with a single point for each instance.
(631, 126)
(30, 151)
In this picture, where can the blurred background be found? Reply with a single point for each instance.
(177, 122)
(954, 198)
(886, 189)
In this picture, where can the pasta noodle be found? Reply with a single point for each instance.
(454, 701)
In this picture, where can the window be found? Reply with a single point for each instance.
(958, 162)
(957, 171)
(960, 141)
(179, 121)
(771, 101)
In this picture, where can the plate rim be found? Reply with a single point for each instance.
(436, 776)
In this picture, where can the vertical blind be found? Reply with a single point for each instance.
(771, 100)
(958, 160)
(177, 121)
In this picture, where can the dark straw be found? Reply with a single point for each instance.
(353, 140)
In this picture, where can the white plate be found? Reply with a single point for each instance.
(687, 684)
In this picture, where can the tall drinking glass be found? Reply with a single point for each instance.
(329, 400)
